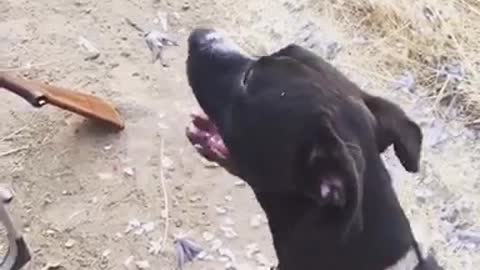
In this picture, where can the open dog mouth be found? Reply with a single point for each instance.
(203, 134)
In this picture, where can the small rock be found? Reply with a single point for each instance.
(240, 183)
(227, 253)
(148, 227)
(176, 15)
(50, 232)
(164, 213)
(107, 147)
(155, 247)
(178, 223)
(229, 232)
(251, 250)
(207, 236)
(256, 221)
(106, 253)
(223, 259)
(94, 53)
(6, 193)
(52, 266)
(128, 261)
(129, 171)
(195, 198)
(105, 176)
(167, 163)
(216, 244)
(221, 210)
(141, 265)
(132, 224)
(209, 164)
(125, 54)
(185, 6)
(261, 259)
(202, 255)
(70, 243)
(228, 198)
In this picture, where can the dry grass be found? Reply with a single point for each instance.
(437, 41)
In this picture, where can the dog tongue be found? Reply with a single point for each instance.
(216, 142)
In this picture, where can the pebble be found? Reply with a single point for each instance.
(251, 250)
(70, 243)
(132, 224)
(225, 252)
(155, 247)
(148, 227)
(240, 183)
(107, 147)
(229, 232)
(185, 6)
(216, 244)
(256, 221)
(141, 265)
(52, 266)
(128, 261)
(207, 236)
(261, 259)
(106, 253)
(167, 163)
(195, 198)
(129, 171)
(221, 210)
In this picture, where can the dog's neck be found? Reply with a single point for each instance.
(305, 237)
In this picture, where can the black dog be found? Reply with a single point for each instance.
(308, 142)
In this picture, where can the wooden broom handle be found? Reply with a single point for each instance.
(25, 89)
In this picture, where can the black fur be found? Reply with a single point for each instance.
(293, 124)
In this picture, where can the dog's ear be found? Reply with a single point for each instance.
(336, 168)
(394, 127)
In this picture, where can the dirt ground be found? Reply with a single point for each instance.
(78, 188)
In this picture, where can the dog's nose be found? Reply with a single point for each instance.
(204, 37)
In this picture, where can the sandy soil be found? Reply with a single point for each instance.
(75, 193)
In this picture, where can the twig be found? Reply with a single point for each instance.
(134, 25)
(165, 198)
(14, 151)
(28, 66)
(473, 123)
(13, 134)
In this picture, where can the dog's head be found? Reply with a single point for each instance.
(293, 124)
